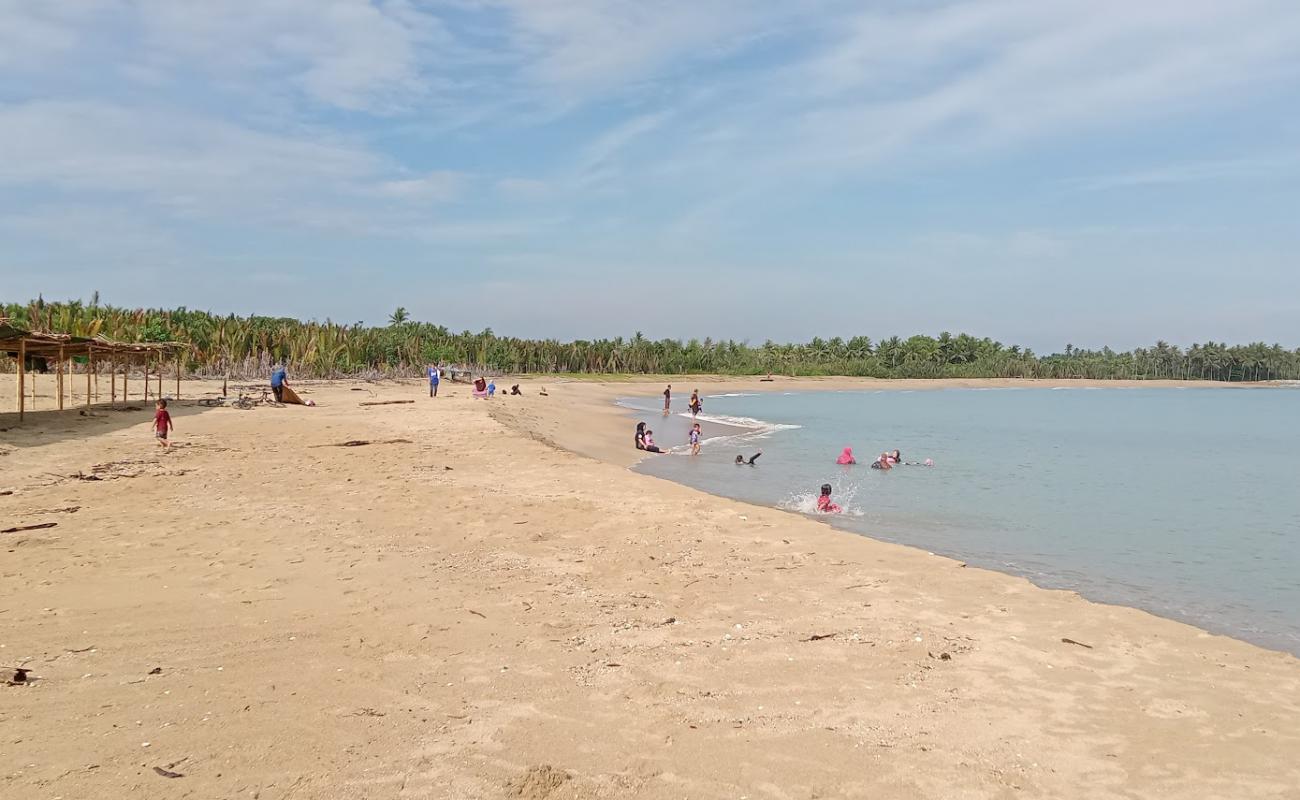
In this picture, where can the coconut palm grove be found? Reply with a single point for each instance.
(247, 346)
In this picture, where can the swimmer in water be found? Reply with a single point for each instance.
(846, 457)
(740, 460)
(824, 504)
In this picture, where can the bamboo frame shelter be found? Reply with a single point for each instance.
(60, 350)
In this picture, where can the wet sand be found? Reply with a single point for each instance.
(459, 609)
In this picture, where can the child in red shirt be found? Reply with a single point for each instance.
(824, 504)
(162, 422)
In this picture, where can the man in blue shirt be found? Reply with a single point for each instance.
(434, 376)
(278, 381)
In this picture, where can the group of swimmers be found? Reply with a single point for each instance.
(885, 460)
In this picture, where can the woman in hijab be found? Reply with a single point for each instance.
(846, 457)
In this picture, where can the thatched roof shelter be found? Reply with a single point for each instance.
(61, 349)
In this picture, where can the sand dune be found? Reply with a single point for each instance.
(473, 613)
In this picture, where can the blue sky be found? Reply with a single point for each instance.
(1090, 172)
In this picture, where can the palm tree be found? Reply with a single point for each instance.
(398, 317)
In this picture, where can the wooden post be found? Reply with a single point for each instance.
(145, 362)
(22, 360)
(126, 372)
(96, 385)
(178, 376)
(112, 373)
(61, 358)
(33, 390)
(90, 367)
(160, 372)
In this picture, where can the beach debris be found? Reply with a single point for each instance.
(1080, 644)
(941, 656)
(81, 476)
(387, 402)
(817, 637)
(166, 773)
(476, 613)
(537, 782)
(6, 492)
(19, 678)
(38, 526)
(364, 442)
(156, 671)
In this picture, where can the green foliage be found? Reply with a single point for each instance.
(247, 346)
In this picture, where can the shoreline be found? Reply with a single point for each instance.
(601, 401)
(598, 425)
(460, 609)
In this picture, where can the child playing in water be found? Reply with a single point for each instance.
(695, 439)
(162, 422)
(824, 504)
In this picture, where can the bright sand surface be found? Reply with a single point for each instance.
(472, 613)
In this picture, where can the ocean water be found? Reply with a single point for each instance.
(1183, 502)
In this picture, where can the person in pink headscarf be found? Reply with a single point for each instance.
(846, 457)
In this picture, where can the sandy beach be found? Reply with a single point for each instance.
(462, 608)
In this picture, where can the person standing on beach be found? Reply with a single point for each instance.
(435, 375)
(668, 399)
(279, 379)
(162, 422)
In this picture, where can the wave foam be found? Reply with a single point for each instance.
(806, 503)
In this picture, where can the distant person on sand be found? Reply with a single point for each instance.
(846, 457)
(162, 422)
(435, 377)
(492, 389)
(740, 460)
(640, 436)
(279, 379)
(824, 504)
(650, 445)
(695, 405)
(695, 439)
(668, 399)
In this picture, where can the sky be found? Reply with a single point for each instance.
(1077, 171)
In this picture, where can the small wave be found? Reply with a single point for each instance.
(806, 503)
(730, 394)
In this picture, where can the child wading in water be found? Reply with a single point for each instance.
(824, 504)
(695, 439)
(162, 422)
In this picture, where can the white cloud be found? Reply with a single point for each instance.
(441, 186)
(1231, 169)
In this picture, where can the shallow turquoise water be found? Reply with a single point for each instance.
(1183, 502)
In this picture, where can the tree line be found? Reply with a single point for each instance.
(246, 347)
